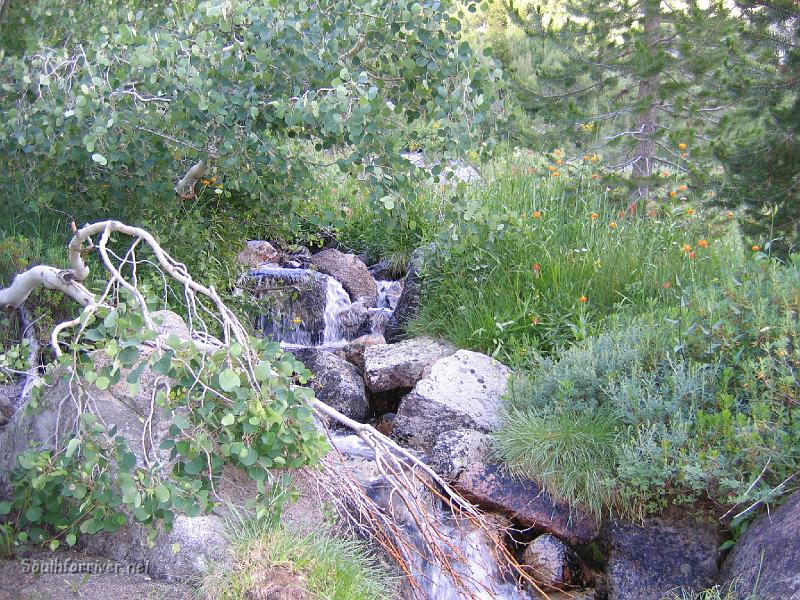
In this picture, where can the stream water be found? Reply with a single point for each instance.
(292, 323)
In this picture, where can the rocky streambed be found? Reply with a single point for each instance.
(441, 403)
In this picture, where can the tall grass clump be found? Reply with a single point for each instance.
(316, 565)
(537, 261)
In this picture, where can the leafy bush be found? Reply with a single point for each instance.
(223, 412)
(320, 564)
(537, 261)
(703, 396)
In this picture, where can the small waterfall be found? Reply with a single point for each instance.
(337, 308)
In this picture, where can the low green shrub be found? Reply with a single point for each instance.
(704, 398)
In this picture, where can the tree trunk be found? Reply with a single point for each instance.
(649, 94)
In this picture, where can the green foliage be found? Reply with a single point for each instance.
(534, 261)
(14, 360)
(223, 413)
(704, 395)
(105, 105)
(320, 564)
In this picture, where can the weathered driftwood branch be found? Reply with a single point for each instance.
(63, 280)
(185, 187)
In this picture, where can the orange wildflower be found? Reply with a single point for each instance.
(685, 155)
(555, 174)
(756, 248)
(559, 162)
(613, 224)
(537, 268)
(687, 248)
(595, 216)
(551, 168)
(730, 214)
(702, 243)
(692, 255)
(595, 176)
(583, 299)
(535, 320)
(672, 193)
(667, 285)
(683, 187)
(690, 211)
(586, 157)
(681, 146)
(537, 214)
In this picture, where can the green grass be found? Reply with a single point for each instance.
(529, 247)
(570, 452)
(324, 566)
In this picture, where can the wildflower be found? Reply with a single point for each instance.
(558, 151)
(667, 285)
(683, 187)
(586, 158)
(559, 162)
(692, 254)
(687, 248)
(672, 193)
(702, 243)
(551, 168)
(537, 269)
(205, 181)
(595, 158)
(685, 155)
(613, 224)
(333, 190)
(583, 299)
(621, 214)
(681, 146)
(555, 174)
(595, 216)
(664, 174)
(595, 176)
(756, 248)
(297, 320)
(213, 179)
(690, 211)
(730, 214)
(535, 320)
(537, 214)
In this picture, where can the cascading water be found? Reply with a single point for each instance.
(337, 306)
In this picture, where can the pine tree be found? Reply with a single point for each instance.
(645, 81)
(759, 145)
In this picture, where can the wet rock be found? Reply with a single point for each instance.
(258, 252)
(384, 270)
(294, 303)
(462, 391)
(389, 293)
(408, 303)
(402, 365)
(765, 560)
(336, 382)
(551, 562)
(350, 272)
(354, 351)
(454, 451)
(648, 561)
(525, 502)
(385, 423)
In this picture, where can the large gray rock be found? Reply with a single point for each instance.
(552, 562)
(186, 552)
(402, 365)
(355, 350)
(336, 382)
(766, 560)
(648, 561)
(350, 272)
(462, 391)
(523, 501)
(408, 304)
(455, 451)
(10, 397)
(50, 425)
